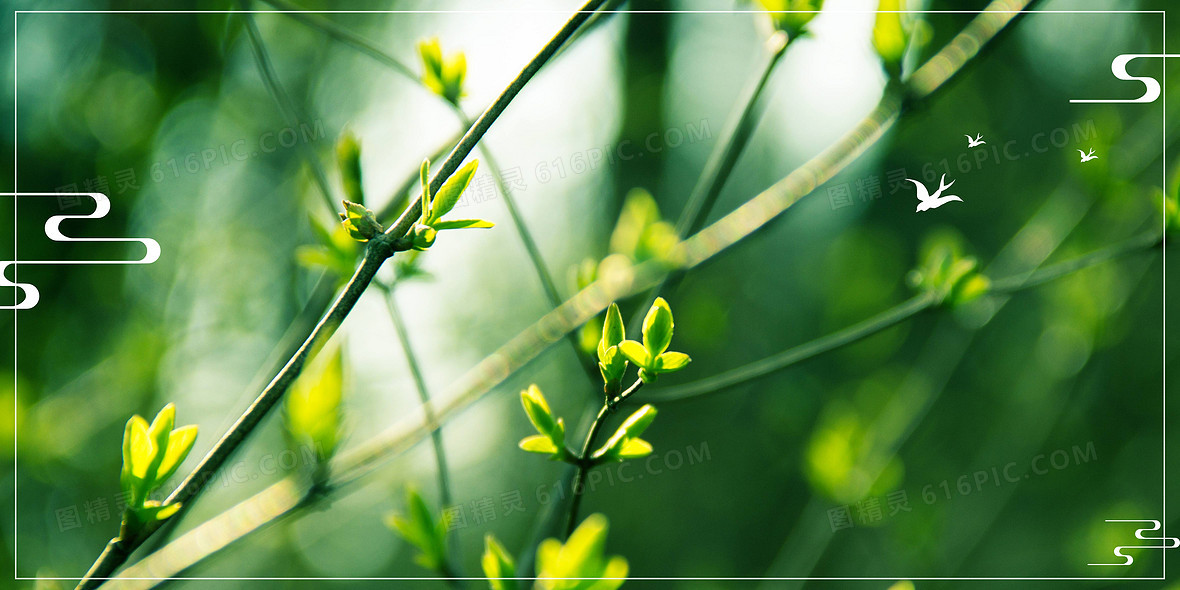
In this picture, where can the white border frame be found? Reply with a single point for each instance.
(1162, 248)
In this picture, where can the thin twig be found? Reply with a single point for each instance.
(794, 355)
(335, 31)
(893, 316)
(585, 462)
(1148, 241)
(530, 244)
(440, 456)
(733, 140)
(290, 112)
(403, 337)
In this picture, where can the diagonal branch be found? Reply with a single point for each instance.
(366, 47)
(1147, 242)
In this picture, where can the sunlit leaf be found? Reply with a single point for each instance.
(180, 442)
(635, 352)
(657, 328)
(448, 196)
(539, 443)
(671, 361)
(462, 224)
(889, 36)
(312, 410)
(537, 409)
(633, 448)
(497, 565)
(629, 430)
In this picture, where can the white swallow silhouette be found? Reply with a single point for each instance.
(1087, 157)
(974, 142)
(928, 201)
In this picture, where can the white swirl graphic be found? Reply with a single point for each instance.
(102, 205)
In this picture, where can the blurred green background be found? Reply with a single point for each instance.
(167, 113)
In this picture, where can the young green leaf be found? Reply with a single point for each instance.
(180, 442)
(360, 222)
(421, 530)
(497, 564)
(634, 448)
(463, 224)
(537, 409)
(890, 37)
(635, 352)
(137, 449)
(628, 431)
(611, 362)
(671, 361)
(443, 75)
(151, 454)
(538, 443)
(613, 330)
(312, 410)
(434, 206)
(650, 356)
(640, 233)
(550, 439)
(582, 556)
(948, 277)
(792, 16)
(448, 196)
(657, 328)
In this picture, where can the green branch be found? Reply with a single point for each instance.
(733, 140)
(578, 489)
(791, 356)
(403, 337)
(287, 108)
(530, 244)
(892, 317)
(1145, 242)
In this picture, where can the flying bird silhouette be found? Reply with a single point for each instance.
(1087, 157)
(974, 142)
(929, 201)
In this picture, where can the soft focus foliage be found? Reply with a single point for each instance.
(551, 437)
(792, 16)
(946, 275)
(419, 527)
(581, 556)
(498, 565)
(444, 74)
(313, 410)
